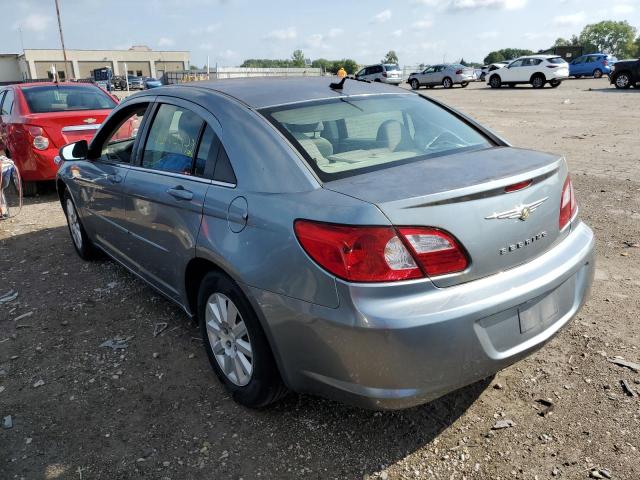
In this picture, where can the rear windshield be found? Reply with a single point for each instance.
(556, 60)
(348, 136)
(63, 98)
(391, 67)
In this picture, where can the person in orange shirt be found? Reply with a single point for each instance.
(342, 72)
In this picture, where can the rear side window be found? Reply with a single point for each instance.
(207, 152)
(557, 60)
(7, 103)
(172, 140)
(224, 170)
(62, 98)
(375, 132)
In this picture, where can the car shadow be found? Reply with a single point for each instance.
(166, 407)
(613, 89)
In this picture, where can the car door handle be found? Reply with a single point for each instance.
(180, 193)
(115, 178)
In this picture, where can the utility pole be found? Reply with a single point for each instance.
(64, 51)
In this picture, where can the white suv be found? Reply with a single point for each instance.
(534, 69)
(382, 72)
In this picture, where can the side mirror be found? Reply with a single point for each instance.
(75, 151)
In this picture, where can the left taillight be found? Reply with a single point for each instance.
(568, 204)
(380, 254)
(39, 139)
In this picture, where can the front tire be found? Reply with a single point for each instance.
(415, 84)
(495, 81)
(236, 345)
(597, 73)
(84, 247)
(447, 82)
(623, 80)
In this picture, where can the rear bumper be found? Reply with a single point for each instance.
(392, 81)
(38, 165)
(397, 345)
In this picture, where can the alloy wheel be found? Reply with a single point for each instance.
(446, 83)
(622, 81)
(74, 224)
(229, 339)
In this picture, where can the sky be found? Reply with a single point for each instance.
(229, 31)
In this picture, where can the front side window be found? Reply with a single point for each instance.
(60, 98)
(119, 144)
(517, 63)
(373, 132)
(172, 140)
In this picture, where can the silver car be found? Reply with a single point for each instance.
(446, 75)
(382, 72)
(354, 240)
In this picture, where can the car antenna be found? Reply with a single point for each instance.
(338, 85)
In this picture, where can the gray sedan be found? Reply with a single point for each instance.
(362, 243)
(446, 75)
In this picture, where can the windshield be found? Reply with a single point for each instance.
(62, 98)
(352, 135)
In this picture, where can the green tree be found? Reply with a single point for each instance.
(610, 36)
(637, 46)
(297, 58)
(506, 54)
(562, 42)
(390, 57)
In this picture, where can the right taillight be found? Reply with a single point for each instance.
(568, 205)
(380, 254)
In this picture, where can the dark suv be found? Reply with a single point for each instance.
(626, 73)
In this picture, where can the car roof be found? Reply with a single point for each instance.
(53, 84)
(271, 91)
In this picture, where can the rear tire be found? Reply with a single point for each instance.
(415, 84)
(538, 81)
(464, 84)
(447, 82)
(597, 73)
(243, 360)
(495, 81)
(84, 247)
(578, 76)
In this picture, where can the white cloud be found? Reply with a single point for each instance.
(538, 35)
(315, 41)
(211, 28)
(227, 54)
(283, 34)
(383, 16)
(166, 42)
(623, 8)
(35, 22)
(570, 20)
(397, 33)
(488, 34)
(459, 5)
(335, 32)
(426, 22)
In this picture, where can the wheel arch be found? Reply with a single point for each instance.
(61, 187)
(537, 74)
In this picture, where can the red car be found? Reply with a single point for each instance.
(39, 118)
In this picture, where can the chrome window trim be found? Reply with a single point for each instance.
(81, 128)
(185, 177)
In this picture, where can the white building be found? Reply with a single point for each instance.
(139, 61)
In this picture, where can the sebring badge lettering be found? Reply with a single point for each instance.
(524, 243)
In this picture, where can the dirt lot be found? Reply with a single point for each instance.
(154, 409)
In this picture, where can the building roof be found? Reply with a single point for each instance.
(271, 91)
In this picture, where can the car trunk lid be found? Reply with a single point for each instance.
(465, 195)
(68, 126)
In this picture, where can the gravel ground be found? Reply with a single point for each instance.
(154, 409)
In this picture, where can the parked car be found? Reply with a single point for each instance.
(150, 82)
(354, 241)
(490, 68)
(382, 72)
(446, 75)
(135, 83)
(535, 69)
(592, 65)
(38, 118)
(625, 73)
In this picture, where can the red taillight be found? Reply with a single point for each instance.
(568, 205)
(379, 254)
(38, 136)
(384, 74)
(606, 62)
(438, 253)
(518, 186)
(458, 72)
